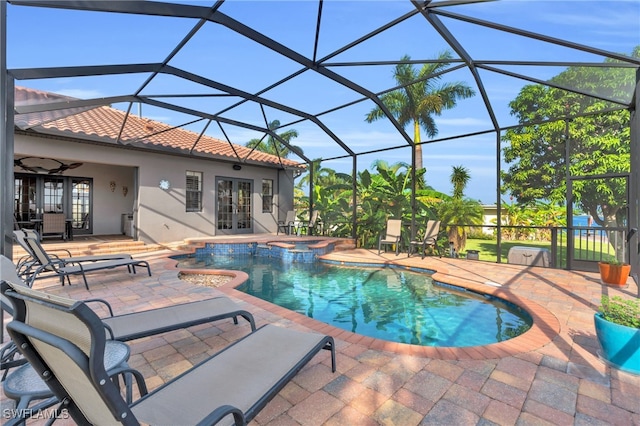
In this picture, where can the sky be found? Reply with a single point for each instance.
(38, 37)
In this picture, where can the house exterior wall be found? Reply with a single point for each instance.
(489, 217)
(160, 216)
(108, 206)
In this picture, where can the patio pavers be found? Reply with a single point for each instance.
(553, 376)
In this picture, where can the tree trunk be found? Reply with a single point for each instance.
(458, 236)
(615, 238)
(608, 220)
(418, 146)
(419, 164)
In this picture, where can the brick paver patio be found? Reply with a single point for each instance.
(550, 375)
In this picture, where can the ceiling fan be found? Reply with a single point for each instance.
(43, 165)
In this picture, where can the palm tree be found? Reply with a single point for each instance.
(459, 179)
(274, 146)
(463, 211)
(459, 209)
(322, 176)
(415, 103)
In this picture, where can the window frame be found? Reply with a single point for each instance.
(267, 198)
(193, 197)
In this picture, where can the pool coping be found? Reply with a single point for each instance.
(544, 329)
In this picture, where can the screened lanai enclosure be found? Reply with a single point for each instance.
(398, 108)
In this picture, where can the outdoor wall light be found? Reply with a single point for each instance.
(237, 167)
(164, 184)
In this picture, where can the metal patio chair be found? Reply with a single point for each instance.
(54, 224)
(392, 235)
(289, 224)
(308, 227)
(430, 239)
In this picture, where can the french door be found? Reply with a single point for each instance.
(36, 194)
(234, 210)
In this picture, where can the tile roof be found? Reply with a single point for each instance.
(103, 124)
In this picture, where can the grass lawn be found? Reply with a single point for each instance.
(488, 249)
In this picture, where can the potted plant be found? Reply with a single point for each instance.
(614, 272)
(618, 330)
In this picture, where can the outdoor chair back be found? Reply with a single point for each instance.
(54, 224)
(57, 334)
(430, 238)
(288, 225)
(392, 235)
(311, 225)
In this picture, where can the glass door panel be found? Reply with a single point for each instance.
(244, 205)
(225, 206)
(81, 206)
(234, 211)
(25, 207)
(53, 194)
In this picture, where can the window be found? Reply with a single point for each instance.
(194, 192)
(267, 195)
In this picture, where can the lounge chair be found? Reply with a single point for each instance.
(120, 327)
(9, 354)
(430, 239)
(139, 324)
(392, 235)
(53, 266)
(289, 223)
(231, 386)
(26, 264)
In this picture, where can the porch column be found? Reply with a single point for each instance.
(354, 199)
(6, 150)
(634, 185)
(6, 141)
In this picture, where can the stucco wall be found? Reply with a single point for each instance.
(108, 206)
(160, 215)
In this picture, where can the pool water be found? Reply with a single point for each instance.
(385, 303)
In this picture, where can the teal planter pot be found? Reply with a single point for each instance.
(620, 344)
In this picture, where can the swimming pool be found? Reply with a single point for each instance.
(392, 304)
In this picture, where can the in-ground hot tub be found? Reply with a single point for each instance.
(291, 251)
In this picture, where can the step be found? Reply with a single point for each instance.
(92, 248)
